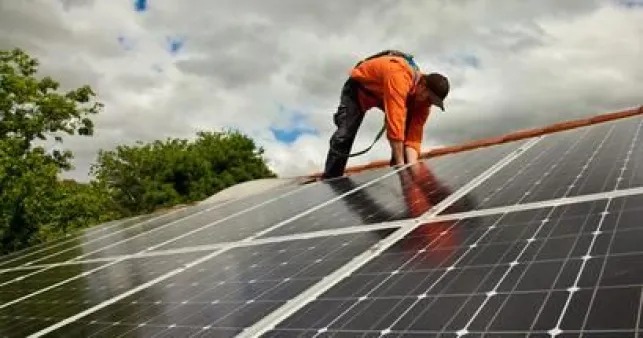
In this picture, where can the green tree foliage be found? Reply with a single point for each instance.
(36, 205)
(143, 177)
(33, 110)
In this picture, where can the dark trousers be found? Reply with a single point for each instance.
(347, 119)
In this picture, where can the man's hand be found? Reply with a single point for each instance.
(411, 155)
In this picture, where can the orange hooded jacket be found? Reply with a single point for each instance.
(391, 80)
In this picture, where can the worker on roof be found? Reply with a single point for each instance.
(392, 82)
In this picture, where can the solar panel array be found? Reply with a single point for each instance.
(534, 238)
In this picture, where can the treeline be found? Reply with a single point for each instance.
(36, 205)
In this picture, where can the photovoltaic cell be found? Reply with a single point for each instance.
(254, 221)
(139, 237)
(80, 246)
(38, 252)
(227, 293)
(588, 160)
(557, 270)
(34, 282)
(38, 310)
(408, 194)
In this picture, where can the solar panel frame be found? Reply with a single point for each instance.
(547, 170)
(265, 324)
(575, 255)
(435, 179)
(545, 253)
(137, 289)
(606, 196)
(315, 268)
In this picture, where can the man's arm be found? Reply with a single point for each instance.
(418, 114)
(397, 84)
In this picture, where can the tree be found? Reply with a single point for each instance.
(34, 110)
(36, 206)
(143, 177)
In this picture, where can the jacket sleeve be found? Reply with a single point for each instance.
(418, 114)
(396, 85)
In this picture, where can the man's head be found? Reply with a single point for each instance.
(433, 88)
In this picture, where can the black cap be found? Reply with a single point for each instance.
(438, 86)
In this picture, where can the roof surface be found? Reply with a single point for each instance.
(536, 233)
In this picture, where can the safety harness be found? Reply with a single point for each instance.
(416, 77)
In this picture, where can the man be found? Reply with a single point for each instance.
(392, 82)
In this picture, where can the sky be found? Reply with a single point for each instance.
(274, 69)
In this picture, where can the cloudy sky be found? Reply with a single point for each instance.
(274, 69)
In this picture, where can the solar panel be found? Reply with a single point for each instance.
(521, 273)
(407, 194)
(588, 160)
(539, 237)
(228, 291)
(37, 301)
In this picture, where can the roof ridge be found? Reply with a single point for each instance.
(510, 137)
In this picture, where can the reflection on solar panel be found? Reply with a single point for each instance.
(539, 237)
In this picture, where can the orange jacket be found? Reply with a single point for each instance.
(390, 79)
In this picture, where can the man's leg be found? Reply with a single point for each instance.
(347, 119)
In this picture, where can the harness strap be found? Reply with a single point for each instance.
(416, 73)
(362, 152)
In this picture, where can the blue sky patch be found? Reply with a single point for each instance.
(296, 126)
(140, 5)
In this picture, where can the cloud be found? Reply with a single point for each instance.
(197, 66)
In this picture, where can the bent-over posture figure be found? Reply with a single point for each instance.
(392, 82)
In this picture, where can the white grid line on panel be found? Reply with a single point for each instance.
(197, 261)
(528, 165)
(78, 258)
(531, 160)
(463, 255)
(196, 296)
(221, 220)
(236, 244)
(354, 229)
(319, 206)
(37, 248)
(577, 237)
(465, 329)
(555, 331)
(598, 231)
(268, 201)
(70, 238)
(163, 215)
(540, 204)
(589, 256)
(269, 321)
(123, 295)
(569, 257)
(62, 282)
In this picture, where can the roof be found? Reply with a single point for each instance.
(514, 136)
(536, 232)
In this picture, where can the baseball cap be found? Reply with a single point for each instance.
(438, 86)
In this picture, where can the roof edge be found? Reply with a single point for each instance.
(510, 137)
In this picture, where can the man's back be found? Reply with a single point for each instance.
(390, 79)
(385, 74)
